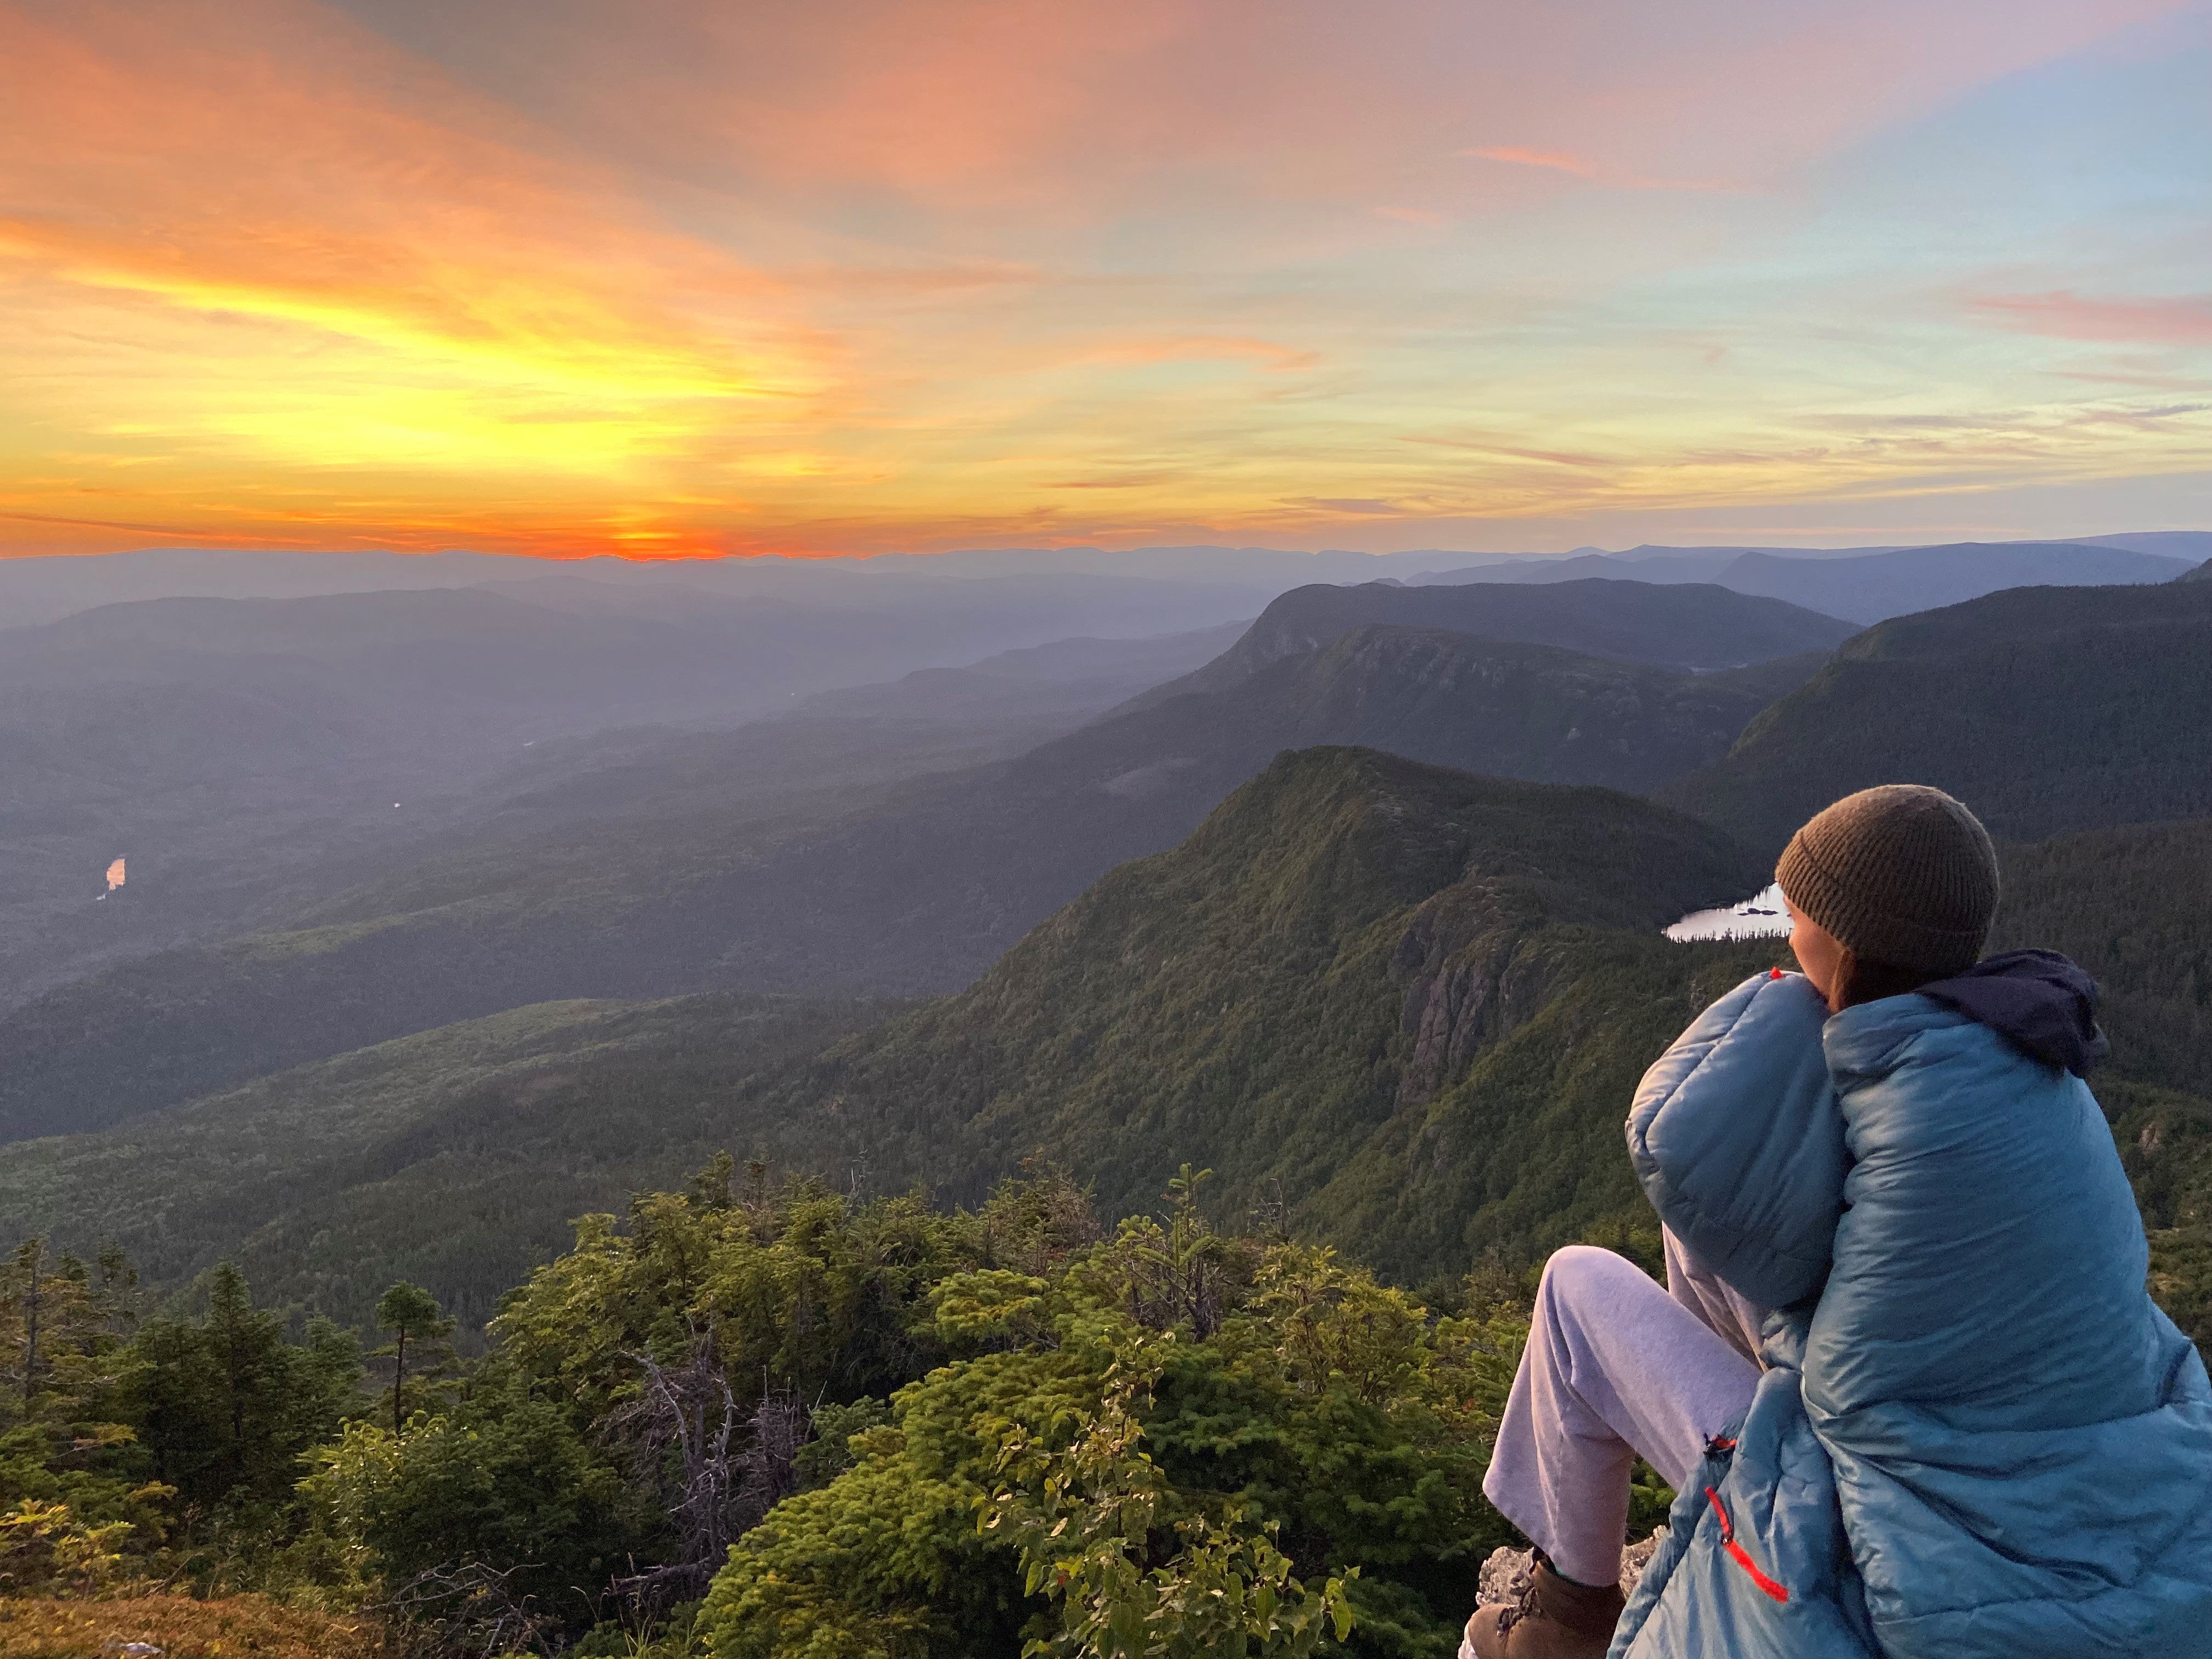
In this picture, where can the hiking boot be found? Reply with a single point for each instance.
(1553, 1618)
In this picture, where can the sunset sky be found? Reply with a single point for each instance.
(678, 277)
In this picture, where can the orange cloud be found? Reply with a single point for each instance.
(878, 274)
(256, 272)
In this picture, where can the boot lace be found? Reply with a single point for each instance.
(1524, 1591)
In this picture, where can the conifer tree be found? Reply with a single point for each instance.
(226, 1405)
(409, 1310)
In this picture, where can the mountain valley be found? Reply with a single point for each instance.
(837, 1060)
(771, 859)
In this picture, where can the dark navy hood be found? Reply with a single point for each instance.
(2036, 1000)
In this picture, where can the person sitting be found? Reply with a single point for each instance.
(1905, 1376)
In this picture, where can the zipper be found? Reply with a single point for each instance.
(1741, 1556)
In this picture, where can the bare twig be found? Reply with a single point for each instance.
(728, 1469)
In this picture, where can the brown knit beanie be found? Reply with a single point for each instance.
(1902, 874)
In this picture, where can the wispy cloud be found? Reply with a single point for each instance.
(2064, 314)
(887, 275)
(1118, 481)
(1557, 161)
(1356, 506)
(1422, 216)
(1579, 166)
(1271, 356)
(1550, 457)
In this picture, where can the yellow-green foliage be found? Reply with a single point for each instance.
(46, 1548)
(1086, 1482)
(1084, 1519)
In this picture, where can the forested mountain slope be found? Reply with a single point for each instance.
(2134, 906)
(686, 869)
(1395, 999)
(2047, 709)
(1526, 1006)
(1400, 1007)
(455, 1158)
(1405, 1002)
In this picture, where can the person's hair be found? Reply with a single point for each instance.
(1860, 979)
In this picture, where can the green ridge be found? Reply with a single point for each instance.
(2048, 710)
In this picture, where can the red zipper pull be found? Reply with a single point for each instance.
(1739, 1554)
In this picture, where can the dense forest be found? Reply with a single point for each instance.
(2134, 906)
(925, 1432)
(759, 1418)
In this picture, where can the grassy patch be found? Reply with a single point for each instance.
(229, 1627)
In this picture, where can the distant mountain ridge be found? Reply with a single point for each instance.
(2048, 710)
(1885, 585)
(42, 589)
(1869, 586)
(239, 752)
(2187, 545)
(1685, 626)
(1085, 675)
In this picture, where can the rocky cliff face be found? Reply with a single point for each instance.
(1468, 982)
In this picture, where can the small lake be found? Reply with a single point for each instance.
(1760, 916)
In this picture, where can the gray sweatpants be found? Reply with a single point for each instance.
(1615, 1367)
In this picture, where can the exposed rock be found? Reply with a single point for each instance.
(1464, 988)
(1505, 1574)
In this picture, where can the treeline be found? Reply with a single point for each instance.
(765, 1419)
(134, 1445)
(2134, 906)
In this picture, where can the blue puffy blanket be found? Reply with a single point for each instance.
(1977, 1439)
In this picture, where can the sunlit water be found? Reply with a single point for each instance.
(1760, 916)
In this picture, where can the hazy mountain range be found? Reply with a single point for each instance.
(1869, 586)
(1356, 902)
(44, 589)
(681, 868)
